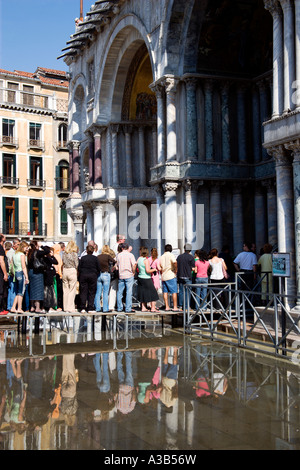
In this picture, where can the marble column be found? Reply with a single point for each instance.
(91, 160)
(89, 223)
(70, 148)
(171, 87)
(190, 211)
(285, 212)
(256, 125)
(108, 159)
(142, 156)
(208, 104)
(289, 52)
(157, 219)
(170, 228)
(98, 224)
(128, 153)
(274, 7)
(271, 211)
(161, 122)
(237, 218)
(241, 123)
(260, 216)
(191, 119)
(296, 96)
(216, 222)
(263, 86)
(98, 183)
(114, 151)
(75, 168)
(295, 147)
(154, 147)
(77, 218)
(225, 122)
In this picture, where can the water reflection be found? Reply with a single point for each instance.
(181, 394)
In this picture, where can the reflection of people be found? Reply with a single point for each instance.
(69, 403)
(148, 370)
(169, 382)
(126, 397)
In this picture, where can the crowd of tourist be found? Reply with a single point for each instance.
(39, 278)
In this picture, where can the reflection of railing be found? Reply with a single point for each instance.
(241, 317)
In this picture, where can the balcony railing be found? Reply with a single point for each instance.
(36, 184)
(8, 140)
(9, 97)
(9, 181)
(36, 144)
(62, 185)
(62, 145)
(24, 229)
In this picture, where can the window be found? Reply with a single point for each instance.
(62, 177)
(36, 172)
(35, 134)
(36, 227)
(8, 131)
(11, 93)
(63, 219)
(9, 169)
(10, 212)
(28, 97)
(62, 136)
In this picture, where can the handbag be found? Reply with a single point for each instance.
(38, 264)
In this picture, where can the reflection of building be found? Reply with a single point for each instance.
(33, 149)
(215, 136)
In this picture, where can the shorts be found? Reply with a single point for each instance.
(170, 286)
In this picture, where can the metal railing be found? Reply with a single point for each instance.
(9, 181)
(36, 183)
(62, 185)
(9, 140)
(241, 318)
(23, 229)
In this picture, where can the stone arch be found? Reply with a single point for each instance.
(78, 108)
(125, 41)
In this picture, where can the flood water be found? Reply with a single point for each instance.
(148, 388)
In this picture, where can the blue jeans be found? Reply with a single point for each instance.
(182, 282)
(128, 283)
(103, 283)
(11, 294)
(102, 374)
(201, 291)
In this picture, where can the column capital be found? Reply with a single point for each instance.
(286, 4)
(280, 155)
(190, 185)
(170, 186)
(171, 83)
(273, 6)
(158, 89)
(191, 83)
(114, 128)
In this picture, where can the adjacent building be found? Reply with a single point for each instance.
(34, 167)
(184, 124)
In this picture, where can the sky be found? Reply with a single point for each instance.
(33, 32)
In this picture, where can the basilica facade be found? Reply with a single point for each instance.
(184, 124)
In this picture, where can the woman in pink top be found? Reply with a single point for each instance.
(201, 265)
(154, 264)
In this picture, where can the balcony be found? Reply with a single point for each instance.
(24, 229)
(62, 145)
(36, 144)
(36, 184)
(62, 185)
(18, 99)
(9, 181)
(7, 140)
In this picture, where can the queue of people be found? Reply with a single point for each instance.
(39, 278)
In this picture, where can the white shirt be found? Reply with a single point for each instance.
(246, 260)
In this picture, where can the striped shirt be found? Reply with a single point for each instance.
(125, 262)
